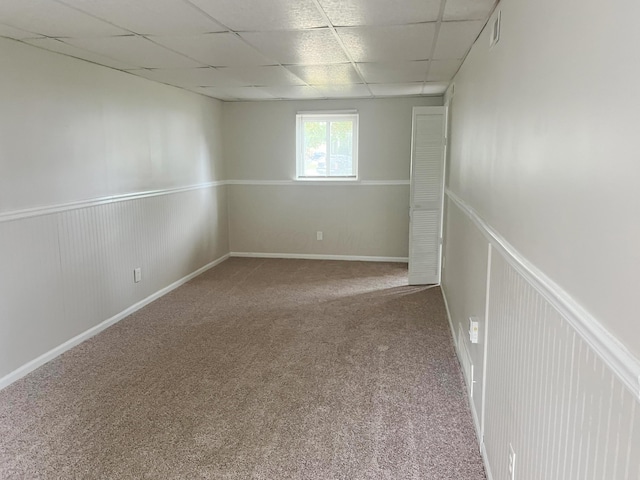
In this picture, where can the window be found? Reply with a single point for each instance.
(327, 145)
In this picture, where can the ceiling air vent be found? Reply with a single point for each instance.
(495, 30)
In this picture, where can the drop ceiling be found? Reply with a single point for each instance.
(262, 49)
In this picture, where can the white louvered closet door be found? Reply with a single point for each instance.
(427, 185)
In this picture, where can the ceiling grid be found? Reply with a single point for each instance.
(259, 49)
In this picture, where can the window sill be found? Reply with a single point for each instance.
(327, 179)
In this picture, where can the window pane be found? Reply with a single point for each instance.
(341, 151)
(315, 149)
(325, 147)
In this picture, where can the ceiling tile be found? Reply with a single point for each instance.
(435, 88)
(293, 92)
(16, 33)
(240, 93)
(380, 12)
(66, 49)
(337, 73)
(394, 72)
(299, 47)
(260, 15)
(342, 91)
(443, 70)
(150, 17)
(455, 38)
(396, 89)
(263, 76)
(216, 49)
(134, 50)
(215, 92)
(190, 77)
(379, 44)
(53, 19)
(468, 9)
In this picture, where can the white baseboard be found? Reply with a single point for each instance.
(53, 353)
(313, 256)
(485, 460)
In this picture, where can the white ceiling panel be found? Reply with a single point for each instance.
(468, 9)
(435, 88)
(443, 70)
(380, 44)
(298, 47)
(455, 39)
(52, 19)
(343, 13)
(134, 50)
(190, 77)
(394, 72)
(240, 93)
(263, 76)
(337, 74)
(261, 49)
(260, 15)
(66, 49)
(293, 92)
(344, 91)
(216, 49)
(396, 89)
(215, 92)
(150, 17)
(16, 33)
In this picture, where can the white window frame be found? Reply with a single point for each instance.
(325, 116)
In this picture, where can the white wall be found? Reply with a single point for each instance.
(79, 144)
(543, 157)
(357, 220)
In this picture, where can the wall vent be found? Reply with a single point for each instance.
(495, 29)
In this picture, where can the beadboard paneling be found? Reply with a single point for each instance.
(66, 272)
(565, 409)
(369, 221)
(548, 394)
(464, 282)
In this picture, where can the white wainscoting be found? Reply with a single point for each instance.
(67, 270)
(564, 397)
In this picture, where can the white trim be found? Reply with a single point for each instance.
(63, 207)
(614, 354)
(313, 256)
(320, 183)
(53, 353)
(328, 112)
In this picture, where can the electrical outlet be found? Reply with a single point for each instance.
(137, 274)
(319, 235)
(512, 463)
(473, 329)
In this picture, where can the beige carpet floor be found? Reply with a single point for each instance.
(257, 369)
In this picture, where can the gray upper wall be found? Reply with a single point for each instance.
(72, 131)
(260, 137)
(545, 149)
